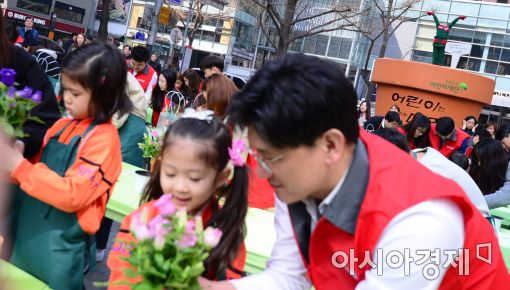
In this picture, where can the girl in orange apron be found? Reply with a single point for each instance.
(66, 191)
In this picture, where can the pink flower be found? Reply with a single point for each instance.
(189, 239)
(159, 227)
(236, 152)
(155, 133)
(139, 228)
(165, 205)
(212, 237)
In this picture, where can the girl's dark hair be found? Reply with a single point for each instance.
(158, 96)
(229, 218)
(489, 165)
(493, 124)
(75, 45)
(100, 68)
(192, 89)
(419, 121)
(180, 77)
(359, 108)
(199, 101)
(5, 44)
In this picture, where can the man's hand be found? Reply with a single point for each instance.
(430, 13)
(462, 17)
(213, 285)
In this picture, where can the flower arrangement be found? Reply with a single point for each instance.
(170, 248)
(151, 145)
(15, 105)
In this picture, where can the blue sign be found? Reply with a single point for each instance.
(140, 36)
(175, 2)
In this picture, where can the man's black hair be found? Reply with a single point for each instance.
(503, 132)
(211, 61)
(392, 116)
(460, 159)
(394, 137)
(140, 54)
(294, 100)
(445, 126)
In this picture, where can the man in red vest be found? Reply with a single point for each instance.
(144, 73)
(445, 138)
(353, 211)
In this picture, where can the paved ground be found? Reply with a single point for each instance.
(102, 273)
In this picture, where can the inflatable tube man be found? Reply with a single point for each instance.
(441, 38)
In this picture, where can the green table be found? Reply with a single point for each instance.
(260, 235)
(12, 277)
(126, 195)
(502, 212)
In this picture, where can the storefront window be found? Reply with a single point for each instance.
(69, 12)
(491, 67)
(39, 6)
(334, 46)
(494, 53)
(321, 45)
(480, 37)
(474, 64)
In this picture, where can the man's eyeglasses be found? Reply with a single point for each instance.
(266, 163)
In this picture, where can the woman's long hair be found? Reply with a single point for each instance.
(158, 96)
(193, 87)
(489, 165)
(229, 217)
(5, 44)
(419, 121)
(220, 90)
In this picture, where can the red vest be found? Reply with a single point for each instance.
(394, 185)
(449, 146)
(144, 77)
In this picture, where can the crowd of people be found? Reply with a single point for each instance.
(338, 188)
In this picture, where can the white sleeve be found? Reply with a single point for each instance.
(150, 87)
(435, 224)
(285, 269)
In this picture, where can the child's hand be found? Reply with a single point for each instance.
(10, 154)
(213, 285)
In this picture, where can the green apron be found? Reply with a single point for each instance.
(131, 133)
(50, 244)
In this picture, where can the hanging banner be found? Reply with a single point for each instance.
(119, 10)
(164, 15)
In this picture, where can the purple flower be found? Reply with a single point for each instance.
(236, 152)
(189, 239)
(155, 134)
(11, 92)
(25, 93)
(8, 76)
(165, 205)
(37, 96)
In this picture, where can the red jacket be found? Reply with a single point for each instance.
(450, 146)
(394, 185)
(145, 77)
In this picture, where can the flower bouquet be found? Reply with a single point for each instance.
(15, 105)
(170, 249)
(151, 146)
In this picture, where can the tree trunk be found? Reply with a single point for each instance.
(285, 28)
(366, 78)
(103, 22)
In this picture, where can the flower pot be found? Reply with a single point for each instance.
(432, 90)
(141, 179)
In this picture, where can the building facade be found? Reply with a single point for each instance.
(71, 16)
